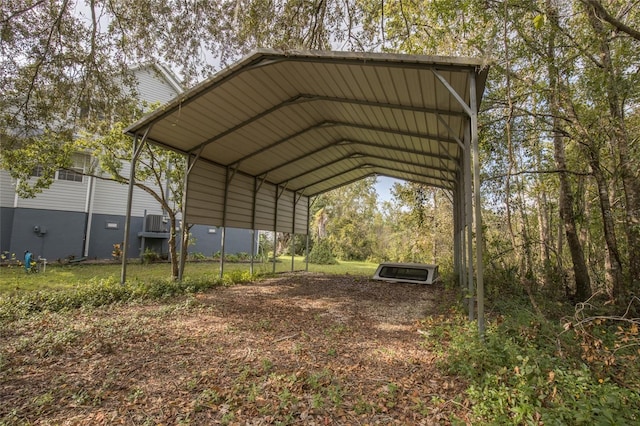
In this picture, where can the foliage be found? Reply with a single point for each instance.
(149, 256)
(517, 376)
(347, 216)
(100, 292)
(321, 254)
(116, 254)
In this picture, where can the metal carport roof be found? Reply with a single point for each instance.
(278, 127)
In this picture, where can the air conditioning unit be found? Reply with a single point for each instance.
(154, 223)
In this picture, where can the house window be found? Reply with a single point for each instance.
(70, 175)
(76, 171)
(37, 171)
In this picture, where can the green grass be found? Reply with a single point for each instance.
(14, 280)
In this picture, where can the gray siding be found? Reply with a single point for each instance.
(61, 195)
(6, 228)
(63, 238)
(103, 237)
(236, 240)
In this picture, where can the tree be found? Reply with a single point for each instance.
(159, 172)
(347, 216)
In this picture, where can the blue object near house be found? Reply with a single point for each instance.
(28, 257)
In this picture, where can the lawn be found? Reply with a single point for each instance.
(14, 280)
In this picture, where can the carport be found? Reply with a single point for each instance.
(265, 136)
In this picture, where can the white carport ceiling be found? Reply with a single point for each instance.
(300, 123)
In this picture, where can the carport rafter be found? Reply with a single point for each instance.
(334, 124)
(350, 142)
(365, 157)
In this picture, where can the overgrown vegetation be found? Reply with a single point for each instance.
(537, 367)
(104, 291)
(321, 254)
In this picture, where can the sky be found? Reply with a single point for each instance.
(383, 188)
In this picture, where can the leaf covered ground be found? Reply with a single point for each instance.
(299, 348)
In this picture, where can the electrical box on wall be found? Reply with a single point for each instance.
(40, 230)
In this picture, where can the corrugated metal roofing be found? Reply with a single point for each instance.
(304, 122)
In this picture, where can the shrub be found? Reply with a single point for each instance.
(516, 375)
(149, 256)
(321, 254)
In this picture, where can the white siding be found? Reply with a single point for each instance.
(152, 86)
(7, 189)
(61, 195)
(111, 198)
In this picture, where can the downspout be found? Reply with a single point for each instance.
(89, 219)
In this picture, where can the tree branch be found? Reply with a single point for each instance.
(603, 14)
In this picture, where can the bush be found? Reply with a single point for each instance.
(321, 254)
(149, 256)
(517, 376)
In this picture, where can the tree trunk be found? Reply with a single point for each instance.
(613, 267)
(620, 140)
(173, 254)
(566, 202)
(544, 235)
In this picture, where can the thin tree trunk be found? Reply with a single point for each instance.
(544, 235)
(613, 267)
(173, 255)
(613, 260)
(620, 139)
(566, 202)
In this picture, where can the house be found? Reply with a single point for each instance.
(81, 216)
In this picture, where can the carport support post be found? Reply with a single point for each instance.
(293, 233)
(476, 179)
(275, 230)
(137, 149)
(185, 187)
(468, 197)
(306, 249)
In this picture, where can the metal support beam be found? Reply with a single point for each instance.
(253, 223)
(306, 249)
(468, 202)
(472, 171)
(293, 232)
(478, 203)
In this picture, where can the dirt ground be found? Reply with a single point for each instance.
(300, 348)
